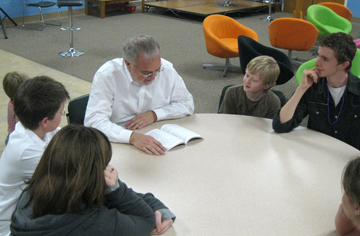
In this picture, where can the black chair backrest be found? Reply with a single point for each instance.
(77, 109)
(67, 3)
(223, 94)
(249, 48)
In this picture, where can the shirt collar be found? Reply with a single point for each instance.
(353, 85)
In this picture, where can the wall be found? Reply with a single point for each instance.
(14, 8)
(353, 5)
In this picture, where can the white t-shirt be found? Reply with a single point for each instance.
(337, 93)
(115, 98)
(18, 162)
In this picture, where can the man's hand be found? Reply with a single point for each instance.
(161, 227)
(147, 144)
(141, 120)
(308, 78)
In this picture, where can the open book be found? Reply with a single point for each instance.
(171, 135)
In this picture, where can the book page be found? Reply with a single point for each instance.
(180, 132)
(167, 140)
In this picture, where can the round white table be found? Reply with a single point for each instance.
(242, 178)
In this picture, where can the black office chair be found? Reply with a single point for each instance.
(280, 94)
(42, 4)
(70, 3)
(77, 109)
(249, 48)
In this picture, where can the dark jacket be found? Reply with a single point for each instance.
(322, 113)
(124, 212)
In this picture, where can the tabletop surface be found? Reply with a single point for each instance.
(242, 178)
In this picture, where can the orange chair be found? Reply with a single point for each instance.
(292, 34)
(221, 39)
(339, 9)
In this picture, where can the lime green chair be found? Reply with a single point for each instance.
(327, 21)
(355, 67)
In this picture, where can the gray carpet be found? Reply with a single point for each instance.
(181, 41)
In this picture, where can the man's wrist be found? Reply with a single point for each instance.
(154, 115)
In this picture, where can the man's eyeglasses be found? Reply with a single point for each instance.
(147, 75)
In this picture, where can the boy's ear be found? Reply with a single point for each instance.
(44, 122)
(345, 64)
(267, 87)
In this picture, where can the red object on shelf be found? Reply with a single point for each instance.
(129, 8)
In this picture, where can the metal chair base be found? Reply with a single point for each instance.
(268, 18)
(294, 60)
(71, 53)
(227, 67)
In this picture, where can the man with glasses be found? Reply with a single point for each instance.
(135, 91)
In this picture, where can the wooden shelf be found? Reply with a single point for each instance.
(103, 5)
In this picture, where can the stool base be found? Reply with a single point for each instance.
(71, 53)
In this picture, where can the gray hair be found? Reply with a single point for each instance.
(142, 44)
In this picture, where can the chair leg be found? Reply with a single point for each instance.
(71, 52)
(55, 24)
(294, 60)
(42, 21)
(3, 28)
(227, 67)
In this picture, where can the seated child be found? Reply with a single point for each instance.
(347, 220)
(11, 83)
(75, 191)
(254, 97)
(39, 105)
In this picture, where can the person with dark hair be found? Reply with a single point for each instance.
(130, 93)
(328, 93)
(75, 191)
(39, 104)
(347, 220)
(11, 83)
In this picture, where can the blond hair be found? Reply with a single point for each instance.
(12, 81)
(267, 67)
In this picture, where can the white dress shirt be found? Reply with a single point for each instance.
(17, 163)
(115, 98)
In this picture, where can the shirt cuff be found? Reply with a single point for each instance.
(109, 189)
(160, 114)
(125, 136)
(166, 214)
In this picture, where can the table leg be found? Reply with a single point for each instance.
(102, 9)
(86, 7)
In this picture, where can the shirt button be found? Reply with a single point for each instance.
(335, 117)
(317, 113)
(335, 132)
(355, 116)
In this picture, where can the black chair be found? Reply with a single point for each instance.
(77, 109)
(42, 4)
(280, 94)
(249, 48)
(70, 3)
